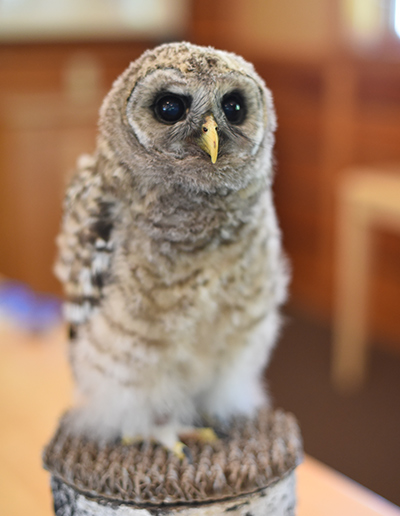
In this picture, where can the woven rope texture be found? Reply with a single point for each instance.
(252, 456)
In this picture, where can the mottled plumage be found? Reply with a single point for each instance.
(172, 263)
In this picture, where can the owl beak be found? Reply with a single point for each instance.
(208, 140)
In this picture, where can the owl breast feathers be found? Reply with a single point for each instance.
(170, 252)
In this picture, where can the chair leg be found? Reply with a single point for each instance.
(349, 359)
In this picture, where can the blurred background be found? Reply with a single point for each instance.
(334, 69)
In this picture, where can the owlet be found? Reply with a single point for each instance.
(170, 251)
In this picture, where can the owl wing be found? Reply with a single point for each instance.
(85, 242)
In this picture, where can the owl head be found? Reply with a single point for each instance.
(192, 116)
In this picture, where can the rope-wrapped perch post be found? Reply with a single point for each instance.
(248, 472)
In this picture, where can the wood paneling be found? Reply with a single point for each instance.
(333, 114)
(44, 127)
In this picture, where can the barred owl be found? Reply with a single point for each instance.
(170, 250)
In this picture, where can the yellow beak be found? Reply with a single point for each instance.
(208, 140)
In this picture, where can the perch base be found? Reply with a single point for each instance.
(250, 472)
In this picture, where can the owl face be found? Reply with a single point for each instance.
(191, 114)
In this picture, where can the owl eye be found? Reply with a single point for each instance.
(170, 108)
(234, 108)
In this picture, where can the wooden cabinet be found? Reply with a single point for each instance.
(334, 114)
(49, 101)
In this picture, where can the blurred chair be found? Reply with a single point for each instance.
(367, 198)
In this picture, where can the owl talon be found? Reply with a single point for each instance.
(206, 435)
(128, 440)
(182, 451)
(202, 434)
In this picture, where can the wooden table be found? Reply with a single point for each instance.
(35, 387)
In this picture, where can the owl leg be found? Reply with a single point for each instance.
(168, 436)
(239, 388)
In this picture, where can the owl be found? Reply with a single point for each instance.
(170, 250)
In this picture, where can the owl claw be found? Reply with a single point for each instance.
(182, 451)
(202, 434)
(206, 435)
(128, 440)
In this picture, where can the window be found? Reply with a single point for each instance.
(52, 19)
(397, 17)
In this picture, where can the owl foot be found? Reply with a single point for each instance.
(182, 451)
(202, 434)
(168, 437)
(206, 435)
(179, 449)
(128, 440)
